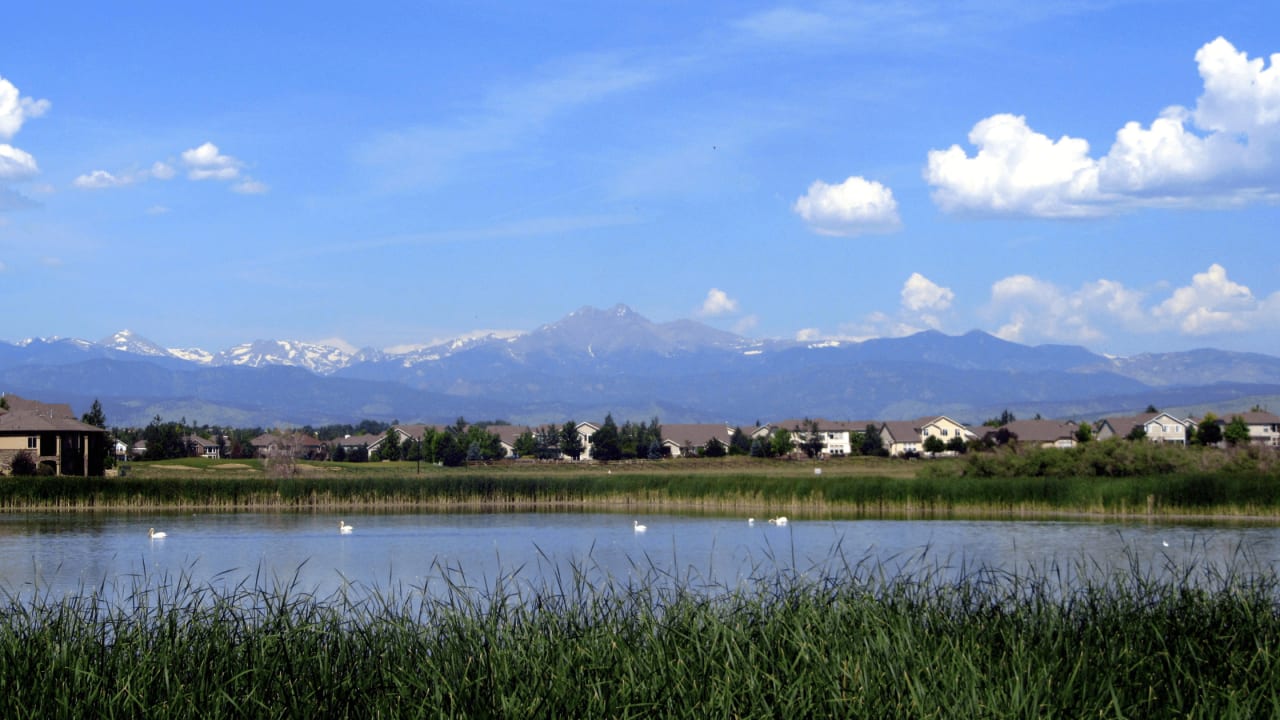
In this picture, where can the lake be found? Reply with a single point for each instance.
(69, 553)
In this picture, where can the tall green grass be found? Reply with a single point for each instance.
(866, 641)
(940, 494)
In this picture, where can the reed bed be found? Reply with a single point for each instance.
(941, 490)
(862, 641)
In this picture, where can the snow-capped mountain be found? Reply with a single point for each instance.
(594, 361)
(319, 359)
(128, 341)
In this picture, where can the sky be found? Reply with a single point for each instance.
(1097, 173)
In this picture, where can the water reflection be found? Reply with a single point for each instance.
(58, 555)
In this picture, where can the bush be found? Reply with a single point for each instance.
(23, 464)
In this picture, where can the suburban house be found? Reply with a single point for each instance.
(690, 439)
(1160, 427)
(1038, 433)
(1264, 427)
(54, 438)
(908, 436)
(836, 435)
(414, 432)
(297, 444)
(202, 447)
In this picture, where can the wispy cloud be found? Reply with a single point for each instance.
(717, 302)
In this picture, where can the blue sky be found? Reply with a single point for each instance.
(1095, 173)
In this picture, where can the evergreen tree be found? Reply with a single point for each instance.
(739, 443)
(714, 449)
(605, 442)
(95, 416)
(872, 442)
(1209, 432)
(570, 441)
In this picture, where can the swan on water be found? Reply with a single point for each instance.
(780, 520)
(156, 535)
(344, 528)
(639, 528)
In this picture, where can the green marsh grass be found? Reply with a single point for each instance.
(863, 641)
(1118, 479)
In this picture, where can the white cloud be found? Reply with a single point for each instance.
(162, 171)
(1223, 152)
(1212, 303)
(206, 162)
(746, 324)
(718, 302)
(2, 268)
(15, 109)
(854, 207)
(920, 293)
(100, 179)
(16, 164)
(1033, 310)
(157, 210)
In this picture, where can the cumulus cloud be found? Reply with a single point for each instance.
(718, 302)
(854, 207)
(16, 110)
(1223, 151)
(1211, 303)
(1030, 309)
(919, 293)
(99, 179)
(206, 162)
(15, 163)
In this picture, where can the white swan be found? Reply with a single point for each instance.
(157, 535)
(780, 520)
(751, 521)
(344, 528)
(639, 528)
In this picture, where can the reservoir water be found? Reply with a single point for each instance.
(71, 553)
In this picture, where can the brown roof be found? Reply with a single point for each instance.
(1040, 431)
(696, 434)
(18, 421)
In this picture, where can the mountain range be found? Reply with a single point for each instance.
(594, 361)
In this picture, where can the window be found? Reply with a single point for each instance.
(944, 432)
(31, 442)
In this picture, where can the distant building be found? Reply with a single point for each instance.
(54, 438)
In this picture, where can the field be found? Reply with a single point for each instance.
(1108, 480)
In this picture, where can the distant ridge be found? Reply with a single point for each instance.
(594, 361)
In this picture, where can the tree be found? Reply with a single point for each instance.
(872, 443)
(1209, 432)
(95, 416)
(390, 447)
(934, 445)
(780, 443)
(339, 453)
(1152, 409)
(1138, 432)
(1236, 432)
(758, 449)
(1084, 432)
(1005, 418)
(810, 437)
(739, 443)
(526, 444)
(714, 449)
(604, 443)
(957, 445)
(570, 441)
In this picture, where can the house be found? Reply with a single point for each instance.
(1160, 427)
(404, 433)
(907, 436)
(202, 447)
(1038, 433)
(356, 444)
(1264, 427)
(53, 437)
(296, 444)
(691, 439)
(836, 435)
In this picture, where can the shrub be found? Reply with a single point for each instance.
(23, 464)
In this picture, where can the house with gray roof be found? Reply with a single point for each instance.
(52, 436)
